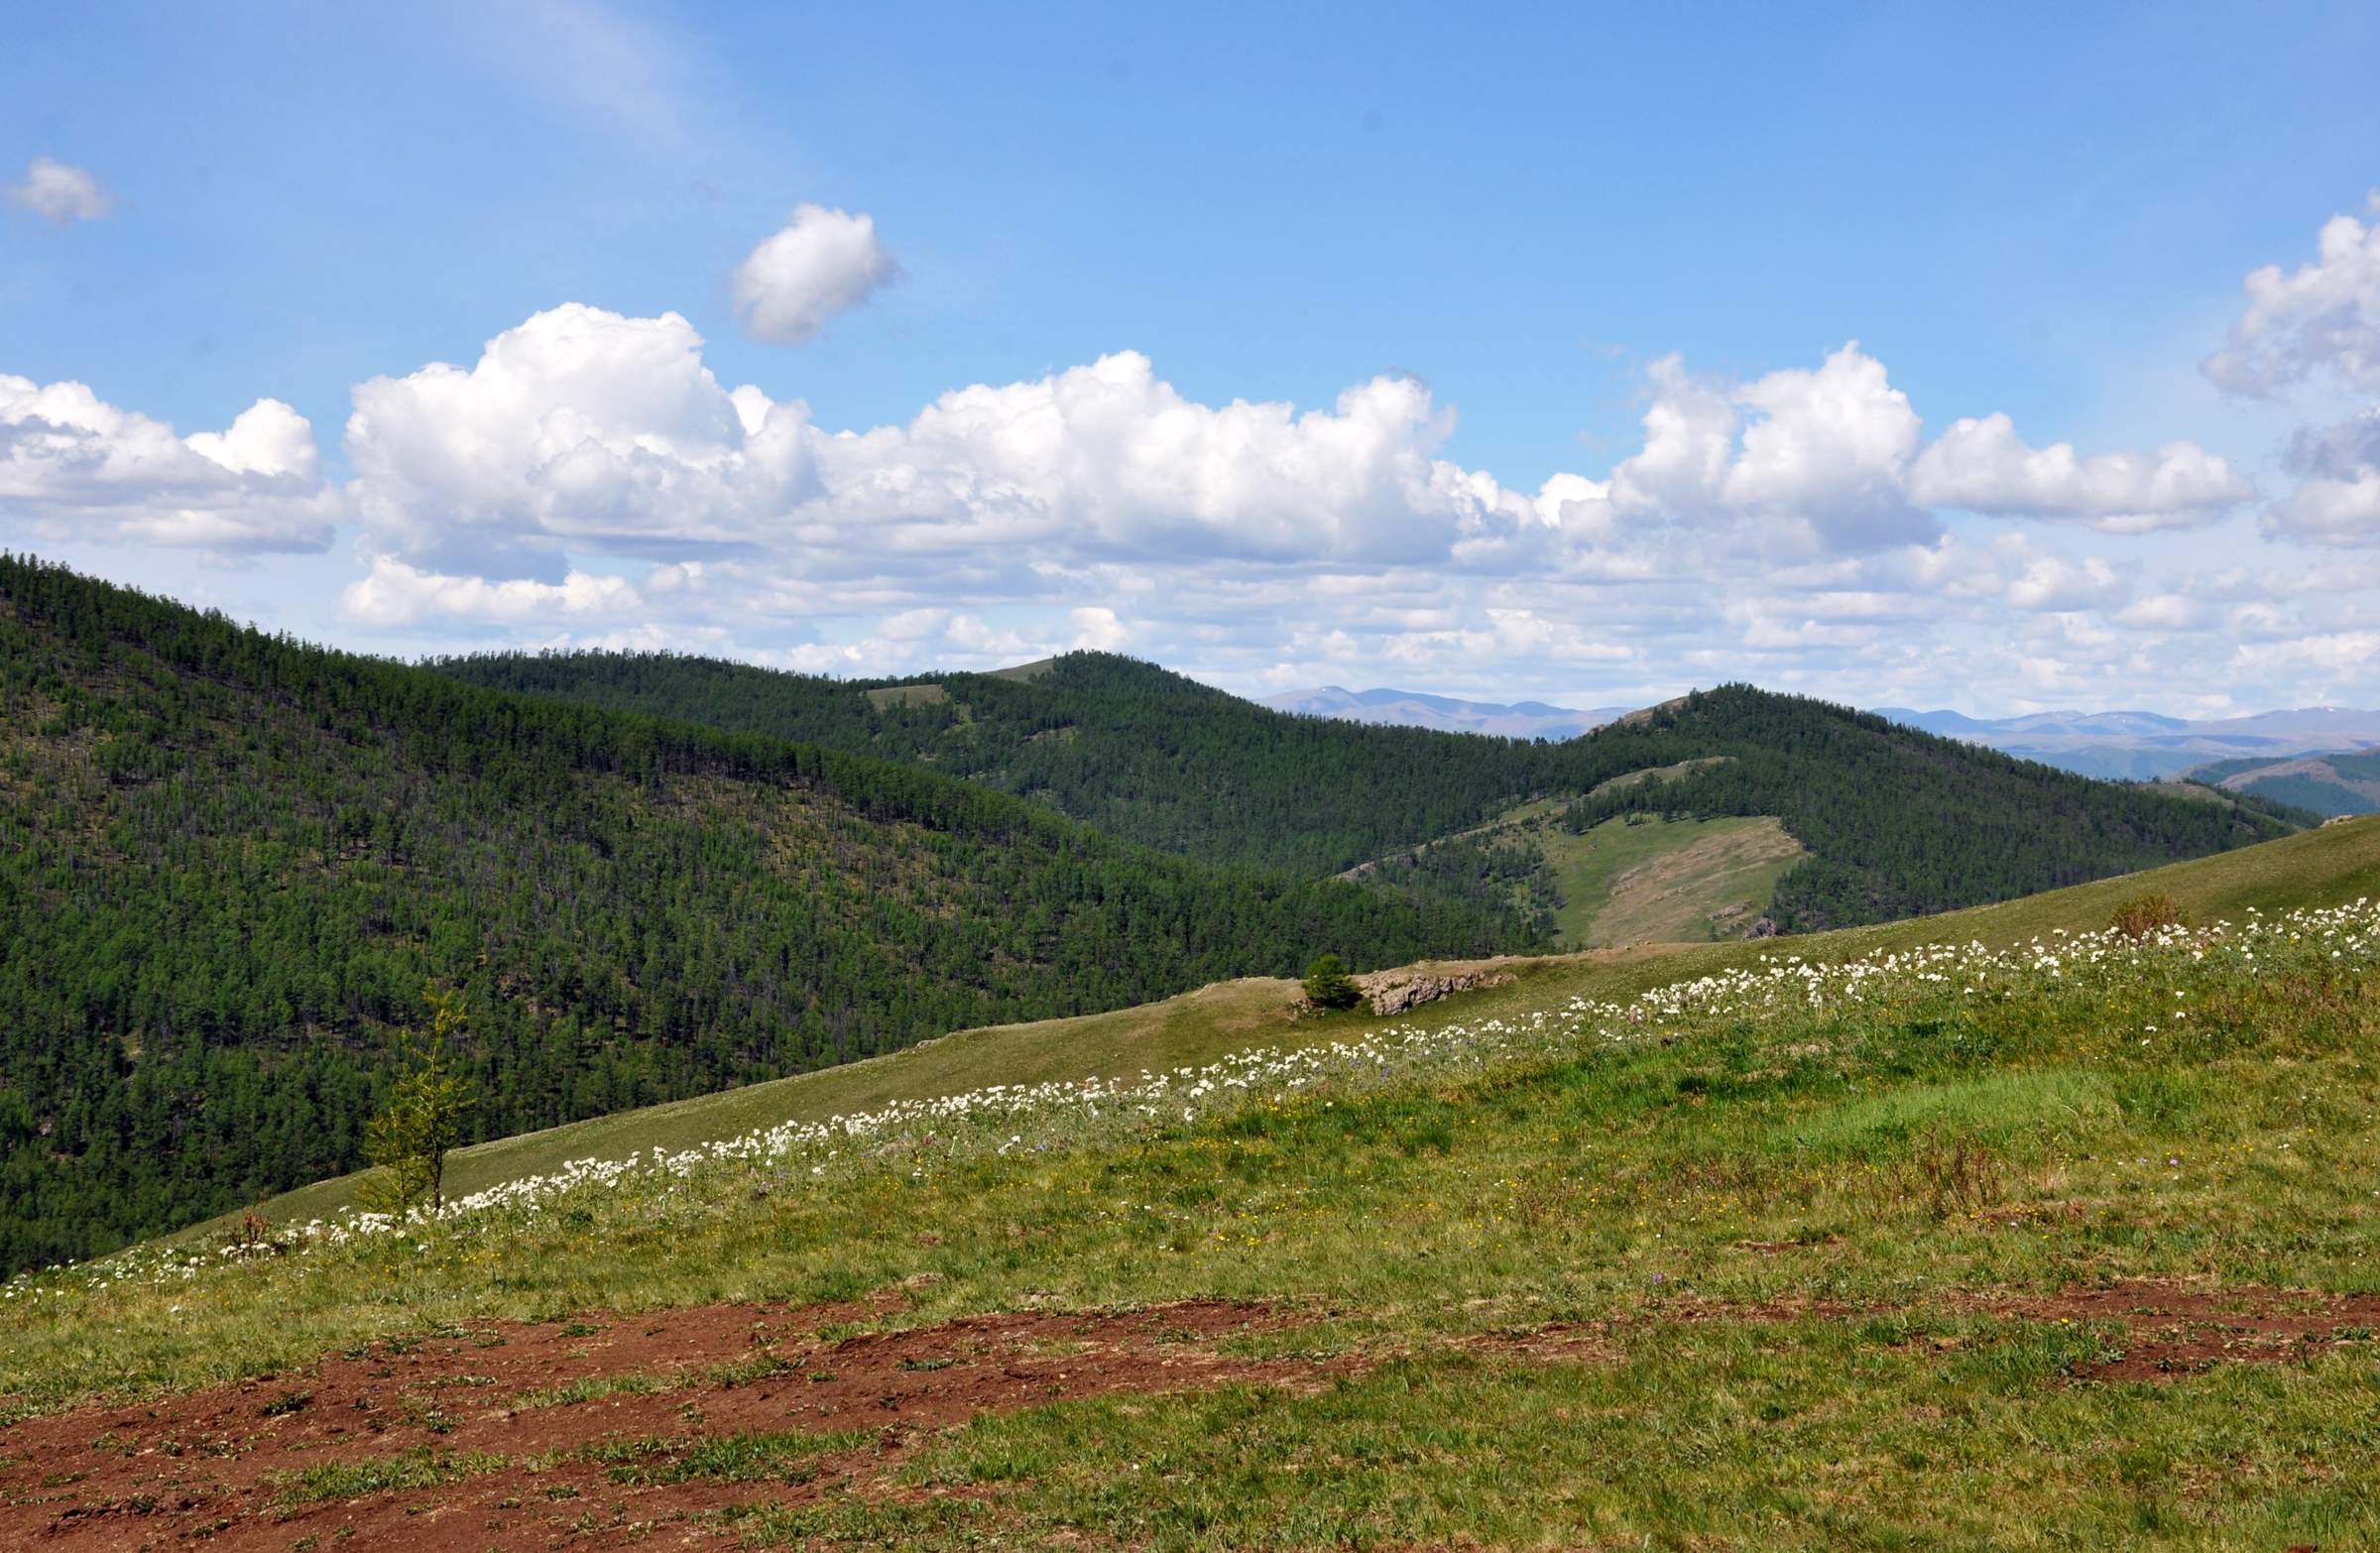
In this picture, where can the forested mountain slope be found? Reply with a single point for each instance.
(230, 863)
(2346, 781)
(1898, 821)
(1123, 744)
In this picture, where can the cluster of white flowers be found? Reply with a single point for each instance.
(1004, 1119)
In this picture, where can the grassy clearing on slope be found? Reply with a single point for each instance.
(1660, 881)
(1658, 774)
(1646, 880)
(906, 695)
(1740, 1280)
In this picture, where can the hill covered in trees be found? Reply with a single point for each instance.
(1121, 745)
(1898, 821)
(230, 863)
(2346, 781)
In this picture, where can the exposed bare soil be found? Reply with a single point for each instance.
(2178, 1329)
(491, 1408)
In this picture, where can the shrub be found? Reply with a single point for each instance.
(2146, 914)
(1328, 986)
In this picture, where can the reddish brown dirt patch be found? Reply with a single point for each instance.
(216, 1464)
(2175, 1329)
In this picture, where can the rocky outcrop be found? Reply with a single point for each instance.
(1393, 992)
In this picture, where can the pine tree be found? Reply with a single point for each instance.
(408, 1142)
(1328, 986)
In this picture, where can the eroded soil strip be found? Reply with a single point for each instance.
(2176, 1329)
(487, 1405)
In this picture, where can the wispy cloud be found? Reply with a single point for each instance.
(59, 193)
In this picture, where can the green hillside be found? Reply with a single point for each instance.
(2015, 1232)
(230, 864)
(1639, 879)
(2338, 862)
(2347, 782)
(1118, 744)
(1895, 823)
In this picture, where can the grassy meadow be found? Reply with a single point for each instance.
(1588, 1260)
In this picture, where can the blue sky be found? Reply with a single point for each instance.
(1511, 243)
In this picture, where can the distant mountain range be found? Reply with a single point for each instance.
(1416, 709)
(2144, 746)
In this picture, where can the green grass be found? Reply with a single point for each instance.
(906, 695)
(417, 1468)
(1661, 881)
(2338, 862)
(1669, 772)
(1667, 1193)
(1812, 1436)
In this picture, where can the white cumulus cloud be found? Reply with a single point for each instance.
(1982, 466)
(586, 478)
(1096, 628)
(2335, 512)
(1110, 459)
(75, 467)
(584, 428)
(396, 594)
(577, 425)
(2333, 658)
(822, 264)
(2321, 316)
(1828, 447)
(1834, 461)
(2319, 323)
(1779, 528)
(59, 193)
(2052, 583)
(2163, 612)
